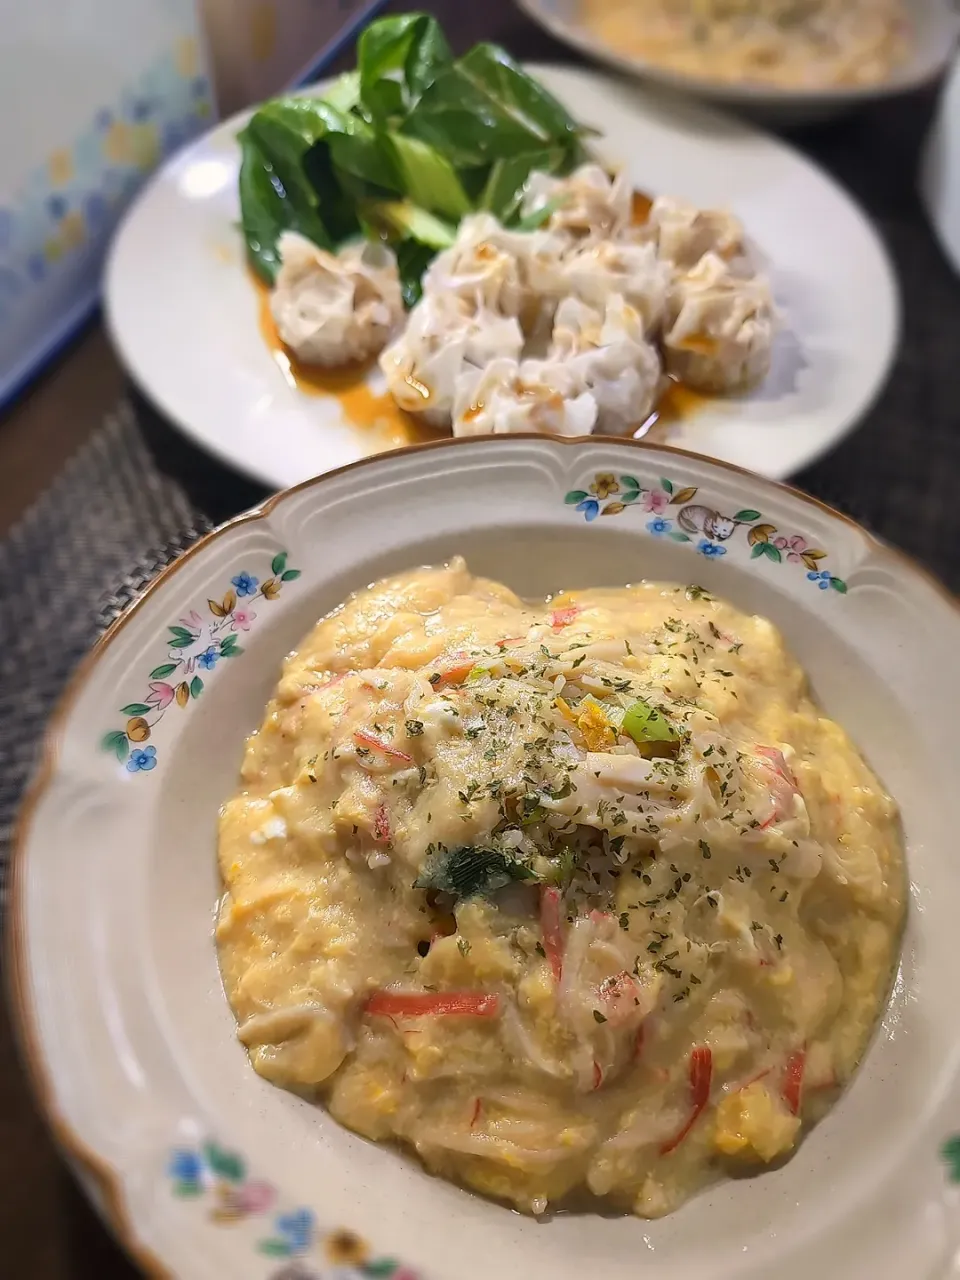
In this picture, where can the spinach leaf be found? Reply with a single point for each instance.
(400, 219)
(503, 191)
(306, 140)
(344, 93)
(266, 211)
(285, 130)
(485, 107)
(413, 259)
(428, 179)
(398, 58)
(469, 871)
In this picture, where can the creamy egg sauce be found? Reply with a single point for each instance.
(791, 43)
(580, 896)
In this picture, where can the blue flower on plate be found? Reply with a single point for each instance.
(142, 758)
(56, 206)
(186, 1169)
(141, 109)
(709, 549)
(208, 659)
(246, 585)
(590, 508)
(296, 1229)
(822, 578)
(103, 119)
(659, 526)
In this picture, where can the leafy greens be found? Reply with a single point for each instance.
(400, 149)
(469, 871)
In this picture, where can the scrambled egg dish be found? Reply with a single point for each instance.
(576, 897)
(797, 44)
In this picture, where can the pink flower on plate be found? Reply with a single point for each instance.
(241, 619)
(193, 621)
(256, 1197)
(794, 547)
(655, 501)
(161, 694)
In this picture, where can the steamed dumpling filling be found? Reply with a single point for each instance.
(580, 895)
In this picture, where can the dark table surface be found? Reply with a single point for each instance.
(898, 473)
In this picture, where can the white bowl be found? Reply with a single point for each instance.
(935, 22)
(114, 974)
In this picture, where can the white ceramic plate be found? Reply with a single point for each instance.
(184, 315)
(209, 1171)
(935, 24)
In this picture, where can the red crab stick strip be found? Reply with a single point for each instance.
(701, 1074)
(561, 618)
(427, 1004)
(371, 740)
(791, 1088)
(550, 924)
(381, 825)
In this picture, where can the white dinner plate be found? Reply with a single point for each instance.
(209, 1171)
(185, 315)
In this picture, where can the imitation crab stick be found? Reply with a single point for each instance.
(367, 739)
(427, 1004)
(701, 1074)
(550, 924)
(381, 825)
(791, 1089)
(561, 618)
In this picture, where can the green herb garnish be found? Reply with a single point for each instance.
(469, 871)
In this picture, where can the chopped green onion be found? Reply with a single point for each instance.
(644, 723)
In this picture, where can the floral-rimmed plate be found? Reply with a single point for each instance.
(205, 1169)
(186, 316)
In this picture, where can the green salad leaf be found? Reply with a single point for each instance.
(485, 107)
(398, 58)
(401, 149)
(428, 178)
(266, 210)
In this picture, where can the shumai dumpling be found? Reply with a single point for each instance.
(445, 336)
(335, 309)
(535, 395)
(590, 204)
(719, 327)
(608, 354)
(683, 233)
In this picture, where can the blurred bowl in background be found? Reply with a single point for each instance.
(940, 173)
(936, 25)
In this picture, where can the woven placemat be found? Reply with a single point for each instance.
(79, 556)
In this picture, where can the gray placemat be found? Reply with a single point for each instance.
(79, 556)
